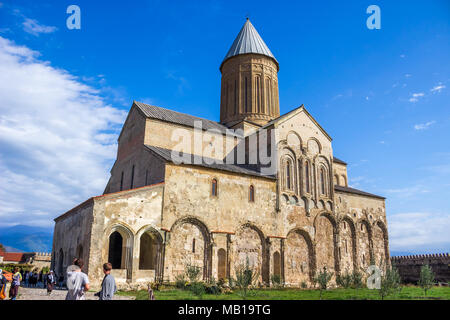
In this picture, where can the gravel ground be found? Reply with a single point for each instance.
(41, 294)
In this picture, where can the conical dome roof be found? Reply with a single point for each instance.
(248, 41)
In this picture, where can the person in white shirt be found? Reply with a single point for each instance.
(77, 281)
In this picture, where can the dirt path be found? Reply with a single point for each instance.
(41, 294)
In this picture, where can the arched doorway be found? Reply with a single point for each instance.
(221, 264)
(364, 245)
(149, 251)
(115, 250)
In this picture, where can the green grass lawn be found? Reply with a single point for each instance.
(407, 293)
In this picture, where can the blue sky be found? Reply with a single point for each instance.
(383, 95)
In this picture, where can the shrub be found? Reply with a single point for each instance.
(426, 280)
(192, 272)
(180, 281)
(390, 281)
(245, 277)
(276, 280)
(198, 288)
(322, 279)
(344, 280)
(303, 285)
(356, 278)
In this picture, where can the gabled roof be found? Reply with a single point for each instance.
(286, 116)
(356, 191)
(166, 154)
(184, 119)
(13, 256)
(339, 161)
(248, 41)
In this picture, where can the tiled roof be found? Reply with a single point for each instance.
(184, 119)
(339, 161)
(12, 256)
(356, 191)
(195, 160)
(248, 41)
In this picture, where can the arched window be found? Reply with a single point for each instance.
(288, 175)
(214, 188)
(251, 194)
(322, 181)
(307, 186)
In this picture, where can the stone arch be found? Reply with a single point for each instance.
(288, 171)
(314, 146)
(300, 262)
(189, 238)
(344, 180)
(364, 239)
(150, 247)
(120, 239)
(336, 180)
(221, 264)
(325, 242)
(293, 139)
(347, 239)
(380, 242)
(250, 243)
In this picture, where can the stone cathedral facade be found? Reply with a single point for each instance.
(157, 215)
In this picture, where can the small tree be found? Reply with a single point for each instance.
(357, 279)
(390, 281)
(245, 276)
(426, 280)
(322, 279)
(192, 272)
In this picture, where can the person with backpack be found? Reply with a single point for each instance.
(77, 281)
(51, 280)
(15, 284)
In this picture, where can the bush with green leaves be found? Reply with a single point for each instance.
(344, 280)
(322, 278)
(303, 284)
(245, 277)
(426, 280)
(192, 272)
(390, 281)
(276, 280)
(198, 288)
(180, 281)
(357, 279)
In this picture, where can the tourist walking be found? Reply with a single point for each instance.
(51, 280)
(27, 278)
(77, 281)
(3, 283)
(108, 284)
(15, 284)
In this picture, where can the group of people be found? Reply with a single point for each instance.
(77, 282)
(33, 279)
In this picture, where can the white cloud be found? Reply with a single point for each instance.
(415, 96)
(57, 138)
(33, 27)
(424, 126)
(408, 191)
(419, 230)
(437, 88)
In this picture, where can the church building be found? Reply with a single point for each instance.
(220, 210)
